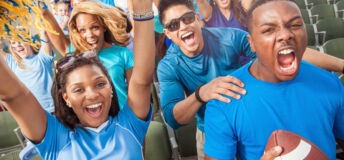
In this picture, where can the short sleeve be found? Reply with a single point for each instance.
(242, 41)
(55, 138)
(128, 119)
(338, 128)
(171, 92)
(42, 54)
(220, 140)
(128, 59)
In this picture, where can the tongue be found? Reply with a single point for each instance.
(94, 112)
(285, 59)
(189, 40)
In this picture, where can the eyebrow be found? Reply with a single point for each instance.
(85, 24)
(272, 24)
(99, 77)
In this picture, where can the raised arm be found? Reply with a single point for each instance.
(144, 57)
(205, 9)
(22, 105)
(60, 41)
(46, 45)
(323, 60)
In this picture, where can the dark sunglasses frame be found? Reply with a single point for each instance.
(70, 59)
(187, 18)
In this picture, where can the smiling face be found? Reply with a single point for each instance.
(189, 36)
(223, 3)
(89, 92)
(21, 49)
(279, 38)
(91, 30)
(62, 9)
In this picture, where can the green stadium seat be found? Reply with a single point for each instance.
(157, 146)
(335, 47)
(301, 4)
(322, 11)
(305, 16)
(311, 36)
(339, 8)
(315, 2)
(332, 27)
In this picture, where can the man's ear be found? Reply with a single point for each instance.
(249, 38)
(167, 33)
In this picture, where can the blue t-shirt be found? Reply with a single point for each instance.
(219, 20)
(60, 20)
(117, 60)
(38, 77)
(311, 105)
(121, 137)
(178, 73)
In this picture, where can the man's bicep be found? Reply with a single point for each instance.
(220, 140)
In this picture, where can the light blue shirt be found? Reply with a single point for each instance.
(121, 137)
(311, 105)
(179, 74)
(117, 60)
(38, 77)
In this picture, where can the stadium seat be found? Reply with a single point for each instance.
(157, 146)
(322, 11)
(335, 47)
(315, 2)
(301, 4)
(312, 42)
(305, 16)
(333, 28)
(339, 8)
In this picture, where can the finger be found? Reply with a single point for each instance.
(228, 93)
(232, 87)
(233, 80)
(272, 153)
(221, 98)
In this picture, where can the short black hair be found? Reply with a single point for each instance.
(255, 5)
(165, 4)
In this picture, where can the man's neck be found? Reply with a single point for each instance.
(259, 71)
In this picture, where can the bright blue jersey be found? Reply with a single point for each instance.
(37, 76)
(311, 105)
(179, 74)
(117, 60)
(121, 137)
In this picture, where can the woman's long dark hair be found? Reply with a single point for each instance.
(65, 114)
(236, 8)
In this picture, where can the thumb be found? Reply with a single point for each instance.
(272, 153)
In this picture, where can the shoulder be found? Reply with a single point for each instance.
(223, 32)
(317, 73)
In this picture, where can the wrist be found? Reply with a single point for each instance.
(198, 97)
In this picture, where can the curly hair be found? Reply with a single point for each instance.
(113, 19)
(66, 114)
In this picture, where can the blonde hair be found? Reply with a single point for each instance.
(111, 18)
(18, 59)
(60, 2)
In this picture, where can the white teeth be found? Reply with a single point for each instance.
(288, 68)
(286, 51)
(92, 42)
(94, 105)
(186, 35)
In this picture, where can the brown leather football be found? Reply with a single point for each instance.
(294, 146)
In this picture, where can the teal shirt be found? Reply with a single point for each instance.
(117, 60)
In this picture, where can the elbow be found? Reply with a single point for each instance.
(170, 120)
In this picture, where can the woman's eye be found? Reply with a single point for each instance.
(100, 84)
(82, 30)
(77, 90)
(95, 27)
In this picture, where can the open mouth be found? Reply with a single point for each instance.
(93, 43)
(188, 38)
(94, 110)
(287, 61)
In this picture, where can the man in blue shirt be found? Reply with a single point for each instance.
(284, 92)
(195, 67)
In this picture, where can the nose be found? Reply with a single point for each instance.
(91, 94)
(88, 33)
(285, 34)
(182, 25)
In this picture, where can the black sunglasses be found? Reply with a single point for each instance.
(70, 59)
(187, 18)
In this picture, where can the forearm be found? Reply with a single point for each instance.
(60, 41)
(46, 44)
(185, 110)
(205, 9)
(323, 60)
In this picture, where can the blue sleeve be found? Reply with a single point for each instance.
(128, 59)
(10, 61)
(171, 92)
(55, 138)
(242, 41)
(128, 119)
(220, 140)
(338, 128)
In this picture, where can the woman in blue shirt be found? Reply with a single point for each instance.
(88, 123)
(109, 38)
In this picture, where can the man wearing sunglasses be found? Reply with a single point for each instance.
(196, 66)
